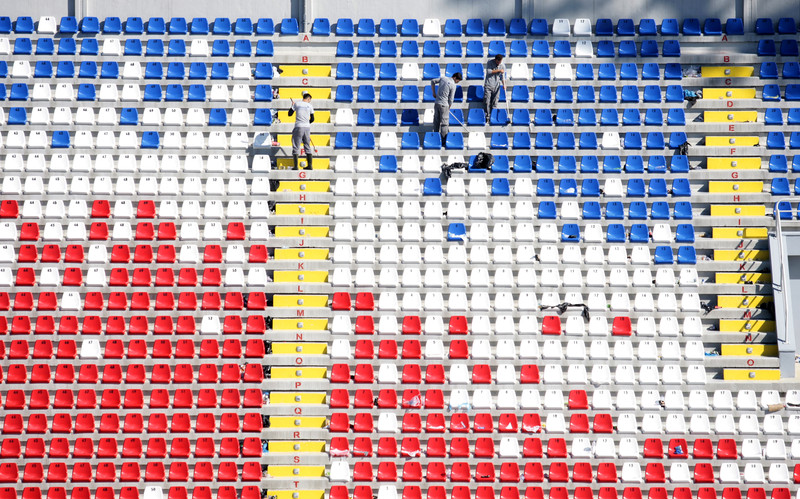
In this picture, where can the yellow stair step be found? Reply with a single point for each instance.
(742, 301)
(726, 72)
(298, 301)
(290, 446)
(292, 422)
(738, 232)
(317, 139)
(318, 164)
(751, 374)
(304, 70)
(301, 494)
(742, 277)
(302, 324)
(297, 398)
(302, 348)
(735, 186)
(316, 93)
(738, 210)
(730, 140)
(312, 209)
(304, 231)
(319, 116)
(298, 372)
(750, 350)
(734, 164)
(279, 471)
(301, 276)
(741, 255)
(303, 186)
(301, 254)
(746, 325)
(728, 116)
(729, 93)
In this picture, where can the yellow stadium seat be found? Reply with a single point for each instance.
(301, 494)
(301, 253)
(304, 70)
(300, 276)
(746, 326)
(302, 324)
(753, 350)
(291, 446)
(738, 232)
(298, 372)
(297, 398)
(734, 187)
(303, 186)
(741, 255)
(278, 471)
(730, 141)
(729, 93)
(742, 277)
(730, 116)
(734, 163)
(297, 421)
(319, 116)
(295, 301)
(304, 231)
(751, 374)
(319, 163)
(279, 348)
(726, 72)
(317, 140)
(738, 210)
(297, 93)
(742, 301)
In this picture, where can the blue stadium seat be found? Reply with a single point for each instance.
(155, 47)
(289, 27)
(629, 94)
(178, 26)
(343, 140)
(691, 27)
(627, 48)
(521, 117)
(474, 71)
(321, 27)
(366, 48)
(499, 117)
(430, 48)
(567, 164)
(793, 116)
(784, 210)
(768, 70)
(474, 48)
(344, 27)
(794, 140)
(590, 187)
(345, 48)
(152, 93)
(712, 27)
(156, 26)
(766, 48)
(776, 140)
(647, 27)
(564, 93)
(604, 27)
(432, 140)
(663, 256)
(659, 210)
(792, 92)
(86, 92)
(764, 26)
(586, 94)
(45, 46)
(545, 164)
(639, 233)
(5, 24)
(545, 187)
(177, 48)
(669, 27)
(565, 117)
(452, 27)
(430, 71)
(150, 140)
(625, 27)
(570, 233)
(674, 93)
(366, 71)
(452, 48)
(221, 26)
(523, 163)
(561, 48)
(679, 163)
(684, 233)
(591, 210)
(540, 48)
(129, 116)
(607, 71)
(153, 70)
(541, 72)
(409, 27)
(388, 93)
(637, 211)
(501, 187)
(650, 71)
(788, 48)
(734, 26)
(197, 93)
(88, 69)
(23, 25)
(633, 140)
(387, 27)
(631, 117)
(608, 93)
(217, 117)
(615, 233)
(476, 117)
(634, 164)
(544, 140)
(388, 71)
(388, 48)
(496, 47)
(60, 140)
(365, 117)
(787, 26)
(520, 93)
(655, 140)
(474, 27)
(773, 116)
(675, 117)
(779, 186)
(344, 71)
(657, 164)
(681, 187)
(612, 164)
(265, 26)
(652, 93)
(410, 140)
(89, 46)
(542, 93)
(433, 187)
(17, 116)
(682, 210)
(584, 71)
(654, 117)
(89, 25)
(43, 69)
(496, 27)
(566, 140)
(409, 93)
(546, 210)
(687, 255)
(23, 46)
(615, 211)
(199, 26)
(344, 93)
(605, 48)
(133, 46)
(635, 188)
(590, 164)
(220, 48)
(365, 27)
(454, 140)
(518, 48)
(538, 27)
(388, 163)
(671, 48)
(500, 164)
(455, 231)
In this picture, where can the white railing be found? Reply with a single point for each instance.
(783, 271)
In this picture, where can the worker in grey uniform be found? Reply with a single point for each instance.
(301, 134)
(443, 98)
(495, 78)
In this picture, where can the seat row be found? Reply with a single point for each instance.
(133, 349)
(113, 25)
(143, 231)
(82, 139)
(117, 325)
(132, 70)
(151, 47)
(134, 373)
(133, 92)
(152, 492)
(121, 253)
(130, 447)
(127, 185)
(81, 162)
(129, 116)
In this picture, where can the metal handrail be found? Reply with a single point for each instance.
(783, 273)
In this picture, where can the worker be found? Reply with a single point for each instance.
(495, 78)
(301, 133)
(443, 99)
